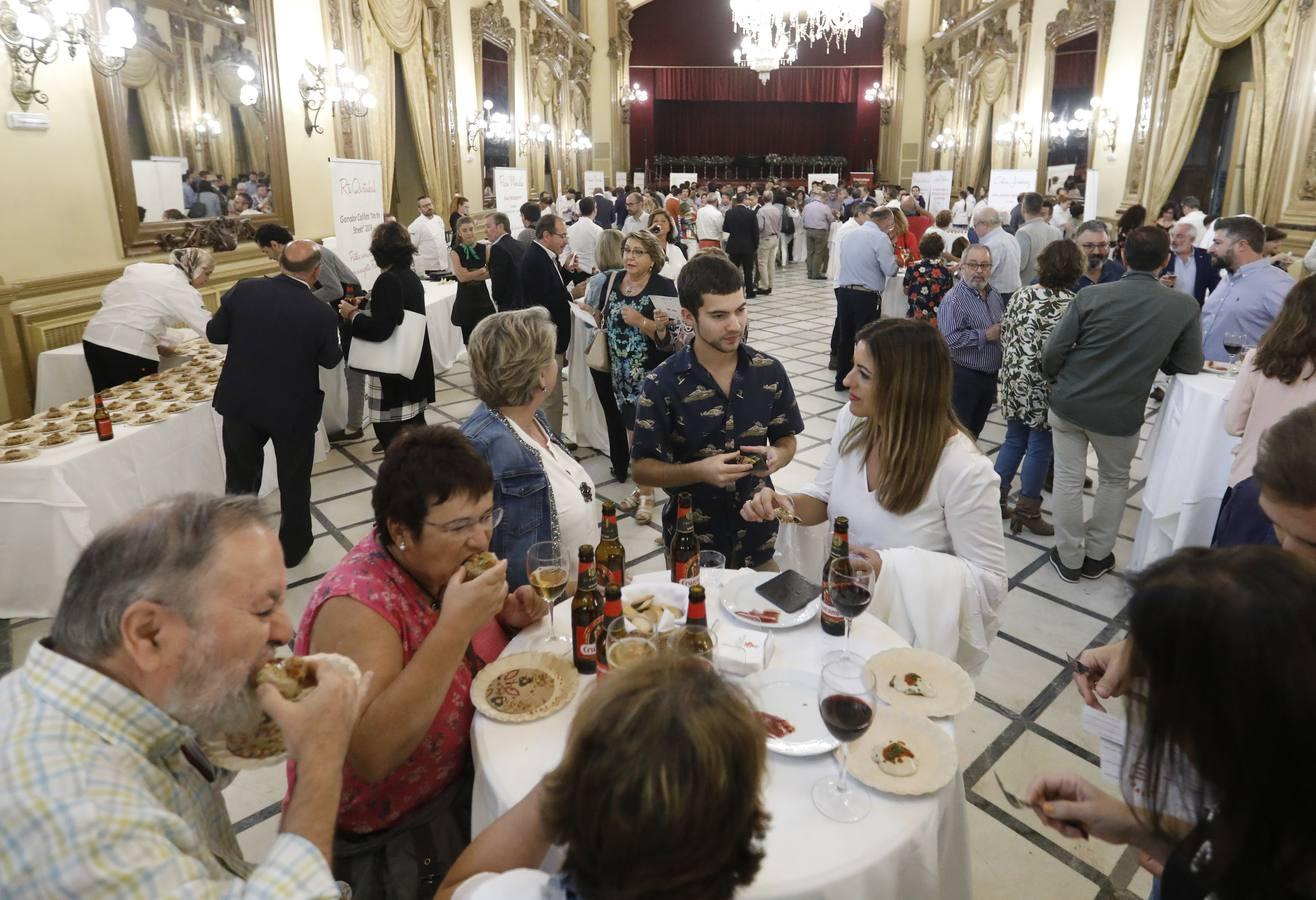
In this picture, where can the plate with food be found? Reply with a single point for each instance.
(741, 598)
(921, 682)
(903, 754)
(83, 404)
(147, 418)
(264, 747)
(85, 415)
(81, 428)
(18, 425)
(17, 454)
(47, 427)
(787, 704)
(524, 687)
(653, 607)
(1215, 368)
(54, 414)
(178, 406)
(18, 439)
(55, 439)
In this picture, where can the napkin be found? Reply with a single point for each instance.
(742, 651)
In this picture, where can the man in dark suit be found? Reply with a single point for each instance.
(505, 255)
(742, 229)
(1190, 269)
(277, 333)
(605, 210)
(544, 282)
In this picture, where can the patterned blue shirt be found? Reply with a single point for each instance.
(682, 416)
(964, 317)
(1244, 303)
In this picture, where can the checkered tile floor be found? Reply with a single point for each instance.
(1025, 719)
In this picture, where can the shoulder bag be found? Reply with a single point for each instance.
(596, 354)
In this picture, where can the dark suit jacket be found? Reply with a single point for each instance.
(1208, 276)
(278, 333)
(742, 228)
(544, 283)
(395, 291)
(505, 257)
(607, 210)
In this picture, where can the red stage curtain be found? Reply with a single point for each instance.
(731, 129)
(788, 85)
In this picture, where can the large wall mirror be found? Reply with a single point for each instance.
(192, 123)
(495, 47)
(1076, 48)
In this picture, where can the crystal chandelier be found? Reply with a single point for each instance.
(33, 29)
(768, 22)
(763, 58)
(580, 142)
(534, 135)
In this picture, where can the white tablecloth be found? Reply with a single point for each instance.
(1189, 455)
(445, 338)
(906, 847)
(63, 376)
(585, 423)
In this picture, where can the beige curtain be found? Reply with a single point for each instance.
(398, 21)
(221, 147)
(1226, 23)
(1272, 57)
(1195, 63)
(416, 76)
(992, 81)
(147, 74)
(382, 119)
(253, 152)
(258, 151)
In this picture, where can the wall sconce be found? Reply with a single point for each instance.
(249, 93)
(33, 29)
(1108, 123)
(878, 94)
(489, 126)
(580, 142)
(945, 140)
(535, 135)
(206, 126)
(629, 97)
(1017, 133)
(347, 92)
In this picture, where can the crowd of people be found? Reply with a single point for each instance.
(208, 194)
(166, 616)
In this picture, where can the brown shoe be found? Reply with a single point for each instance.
(1028, 514)
(1006, 509)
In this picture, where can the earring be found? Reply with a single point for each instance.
(402, 545)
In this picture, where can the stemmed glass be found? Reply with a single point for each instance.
(851, 589)
(1234, 344)
(847, 696)
(546, 568)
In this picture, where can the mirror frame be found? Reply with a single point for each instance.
(143, 238)
(489, 24)
(1089, 17)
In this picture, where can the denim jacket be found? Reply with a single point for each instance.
(520, 489)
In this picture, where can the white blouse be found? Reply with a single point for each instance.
(577, 518)
(675, 262)
(137, 308)
(959, 516)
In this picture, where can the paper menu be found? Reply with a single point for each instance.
(1118, 740)
(669, 305)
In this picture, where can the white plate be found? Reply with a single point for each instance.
(954, 687)
(740, 594)
(930, 744)
(792, 694)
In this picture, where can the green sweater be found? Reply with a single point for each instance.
(1103, 355)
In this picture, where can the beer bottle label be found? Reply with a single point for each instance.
(686, 573)
(829, 613)
(585, 636)
(602, 577)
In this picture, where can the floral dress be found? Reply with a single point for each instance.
(926, 282)
(1029, 320)
(631, 354)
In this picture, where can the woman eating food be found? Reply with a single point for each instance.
(402, 605)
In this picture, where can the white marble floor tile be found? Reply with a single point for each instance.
(1006, 866)
(341, 481)
(1013, 676)
(1048, 625)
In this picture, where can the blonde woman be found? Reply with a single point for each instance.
(123, 340)
(607, 257)
(901, 468)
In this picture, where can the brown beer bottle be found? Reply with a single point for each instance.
(104, 427)
(685, 545)
(832, 621)
(586, 615)
(611, 613)
(609, 555)
(697, 613)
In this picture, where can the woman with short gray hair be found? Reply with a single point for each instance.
(544, 492)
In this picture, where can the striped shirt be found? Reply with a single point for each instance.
(964, 317)
(99, 799)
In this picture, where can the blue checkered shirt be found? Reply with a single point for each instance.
(963, 317)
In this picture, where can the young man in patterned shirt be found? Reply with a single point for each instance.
(706, 405)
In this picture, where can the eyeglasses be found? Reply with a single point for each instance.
(975, 265)
(634, 251)
(1089, 247)
(489, 521)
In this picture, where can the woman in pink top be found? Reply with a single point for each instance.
(1277, 377)
(400, 605)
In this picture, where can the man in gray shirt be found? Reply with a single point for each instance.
(769, 219)
(1033, 236)
(1102, 357)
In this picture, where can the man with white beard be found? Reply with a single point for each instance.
(105, 790)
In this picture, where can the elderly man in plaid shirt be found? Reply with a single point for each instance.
(104, 790)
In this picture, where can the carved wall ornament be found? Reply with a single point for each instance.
(1080, 17)
(488, 22)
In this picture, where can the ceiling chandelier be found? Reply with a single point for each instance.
(763, 58)
(770, 22)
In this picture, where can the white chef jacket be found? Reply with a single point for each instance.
(431, 244)
(583, 237)
(138, 306)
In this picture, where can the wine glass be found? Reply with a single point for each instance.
(847, 696)
(546, 568)
(626, 648)
(851, 590)
(1234, 343)
(712, 566)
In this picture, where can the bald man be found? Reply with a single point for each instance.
(279, 335)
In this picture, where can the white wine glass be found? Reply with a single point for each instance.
(546, 570)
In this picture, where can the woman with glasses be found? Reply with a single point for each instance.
(663, 228)
(401, 606)
(543, 490)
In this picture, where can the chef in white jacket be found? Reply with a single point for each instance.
(427, 233)
(123, 339)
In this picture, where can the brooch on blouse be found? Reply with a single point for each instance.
(586, 492)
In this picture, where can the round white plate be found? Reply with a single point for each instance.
(792, 694)
(740, 594)
(930, 744)
(954, 687)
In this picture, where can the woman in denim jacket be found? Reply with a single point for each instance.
(543, 491)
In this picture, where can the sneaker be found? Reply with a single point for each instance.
(1095, 568)
(1064, 571)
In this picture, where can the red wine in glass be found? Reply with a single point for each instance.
(846, 717)
(851, 599)
(1233, 349)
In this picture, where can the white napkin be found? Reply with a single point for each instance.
(742, 651)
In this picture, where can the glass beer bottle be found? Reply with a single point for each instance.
(610, 555)
(101, 418)
(611, 613)
(586, 615)
(685, 545)
(832, 621)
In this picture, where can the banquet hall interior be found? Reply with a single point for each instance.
(330, 117)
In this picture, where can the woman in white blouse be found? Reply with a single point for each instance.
(123, 339)
(901, 468)
(663, 228)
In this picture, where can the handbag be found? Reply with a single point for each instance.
(596, 353)
(398, 355)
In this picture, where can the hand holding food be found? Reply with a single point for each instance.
(470, 601)
(768, 504)
(311, 707)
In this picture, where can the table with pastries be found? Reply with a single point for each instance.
(907, 846)
(1188, 455)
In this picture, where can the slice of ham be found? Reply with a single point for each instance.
(762, 616)
(776, 726)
